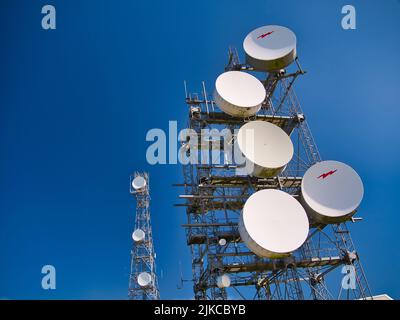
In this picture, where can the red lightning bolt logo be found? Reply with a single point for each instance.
(326, 174)
(265, 35)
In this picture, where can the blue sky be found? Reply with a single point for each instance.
(76, 104)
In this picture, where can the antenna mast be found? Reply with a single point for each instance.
(215, 196)
(143, 284)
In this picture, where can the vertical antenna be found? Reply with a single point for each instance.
(186, 93)
(205, 96)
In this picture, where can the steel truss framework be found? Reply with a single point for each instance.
(215, 195)
(142, 253)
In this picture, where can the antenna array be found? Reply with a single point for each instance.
(215, 194)
(143, 284)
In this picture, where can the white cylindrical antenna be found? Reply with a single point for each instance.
(139, 183)
(223, 281)
(144, 279)
(267, 148)
(222, 242)
(239, 94)
(331, 192)
(270, 48)
(138, 235)
(273, 224)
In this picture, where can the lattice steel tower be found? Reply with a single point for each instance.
(143, 283)
(214, 197)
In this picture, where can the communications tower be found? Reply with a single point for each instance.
(143, 283)
(326, 266)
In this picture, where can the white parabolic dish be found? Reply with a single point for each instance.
(273, 224)
(144, 279)
(239, 94)
(331, 191)
(138, 183)
(270, 48)
(138, 235)
(267, 148)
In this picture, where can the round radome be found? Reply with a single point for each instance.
(239, 93)
(223, 281)
(138, 183)
(222, 242)
(265, 145)
(270, 48)
(138, 235)
(273, 223)
(332, 190)
(144, 279)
